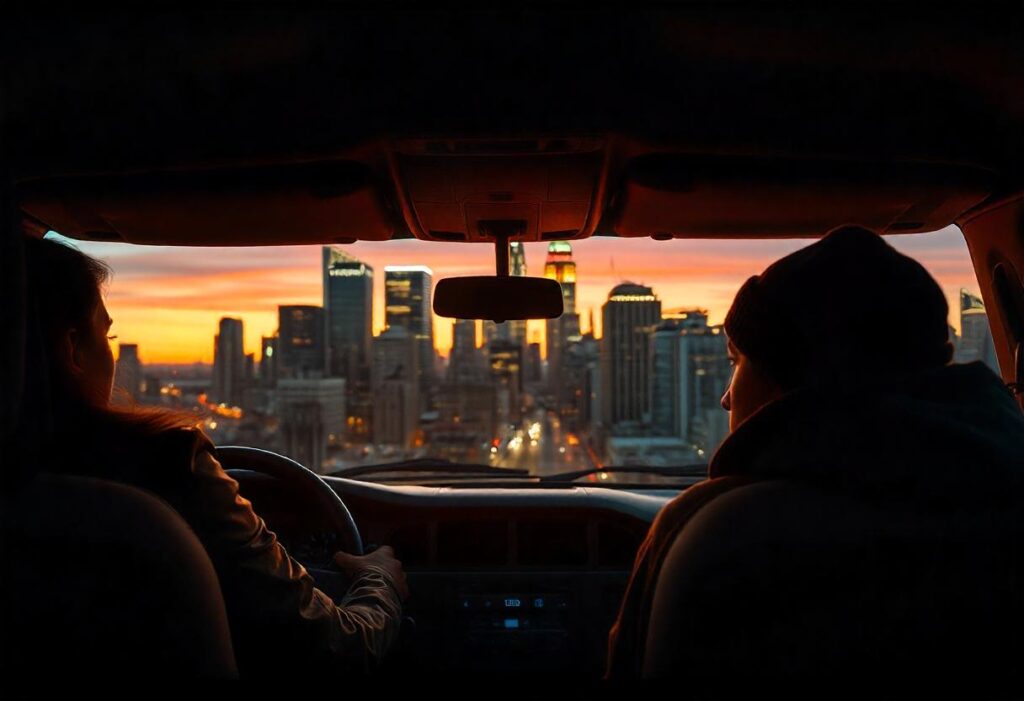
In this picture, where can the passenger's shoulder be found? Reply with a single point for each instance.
(697, 496)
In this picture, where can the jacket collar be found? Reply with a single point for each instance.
(951, 434)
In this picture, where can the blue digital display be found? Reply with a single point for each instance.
(538, 603)
(513, 603)
(511, 622)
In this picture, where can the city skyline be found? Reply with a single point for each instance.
(648, 392)
(170, 300)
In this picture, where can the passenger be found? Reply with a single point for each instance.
(279, 620)
(842, 379)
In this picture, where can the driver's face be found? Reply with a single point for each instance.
(92, 359)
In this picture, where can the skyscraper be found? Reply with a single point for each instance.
(465, 363)
(580, 366)
(312, 417)
(301, 346)
(407, 297)
(466, 421)
(625, 361)
(975, 334)
(559, 266)
(533, 366)
(268, 361)
(506, 365)
(228, 363)
(690, 372)
(348, 311)
(128, 373)
(465, 402)
(348, 308)
(396, 405)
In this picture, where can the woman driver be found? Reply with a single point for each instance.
(279, 620)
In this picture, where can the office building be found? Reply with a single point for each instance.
(975, 341)
(268, 362)
(348, 309)
(560, 266)
(301, 344)
(505, 359)
(396, 402)
(690, 372)
(312, 414)
(407, 294)
(128, 373)
(228, 386)
(627, 316)
(465, 363)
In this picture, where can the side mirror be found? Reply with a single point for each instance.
(498, 298)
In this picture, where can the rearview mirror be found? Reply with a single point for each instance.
(498, 298)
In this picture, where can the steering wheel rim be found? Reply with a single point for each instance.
(310, 484)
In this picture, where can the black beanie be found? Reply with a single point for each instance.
(845, 310)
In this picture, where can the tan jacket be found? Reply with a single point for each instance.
(280, 622)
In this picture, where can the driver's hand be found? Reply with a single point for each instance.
(382, 558)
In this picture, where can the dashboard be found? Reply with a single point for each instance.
(503, 581)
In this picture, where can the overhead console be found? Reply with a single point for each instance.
(545, 189)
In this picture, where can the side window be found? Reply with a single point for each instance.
(945, 255)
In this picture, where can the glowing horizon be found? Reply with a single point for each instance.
(169, 300)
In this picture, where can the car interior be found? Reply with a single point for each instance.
(274, 126)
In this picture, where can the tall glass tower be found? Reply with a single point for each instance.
(407, 304)
(348, 308)
(228, 362)
(560, 267)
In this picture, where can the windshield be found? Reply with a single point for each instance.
(332, 356)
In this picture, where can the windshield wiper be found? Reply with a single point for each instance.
(433, 465)
(696, 470)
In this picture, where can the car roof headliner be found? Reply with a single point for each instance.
(286, 126)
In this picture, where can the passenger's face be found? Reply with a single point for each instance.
(90, 359)
(749, 389)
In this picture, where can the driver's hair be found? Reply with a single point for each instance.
(64, 285)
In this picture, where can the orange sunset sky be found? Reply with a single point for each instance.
(170, 299)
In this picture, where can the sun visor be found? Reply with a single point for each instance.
(292, 204)
(678, 196)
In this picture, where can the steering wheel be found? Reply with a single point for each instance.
(324, 500)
